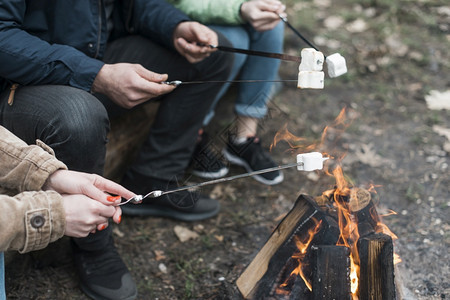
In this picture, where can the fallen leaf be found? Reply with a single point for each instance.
(444, 132)
(333, 22)
(159, 255)
(359, 25)
(184, 234)
(438, 100)
(117, 232)
(219, 237)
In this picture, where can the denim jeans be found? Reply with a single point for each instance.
(2, 277)
(75, 123)
(252, 98)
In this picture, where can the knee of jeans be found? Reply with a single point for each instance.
(83, 124)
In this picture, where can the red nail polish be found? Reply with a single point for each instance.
(102, 227)
(120, 219)
(113, 198)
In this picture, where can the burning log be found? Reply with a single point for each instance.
(376, 268)
(331, 273)
(261, 277)
(362, 207)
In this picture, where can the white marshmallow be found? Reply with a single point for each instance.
(336, 65)
(312, 60)
(310, 161)
(311, 79)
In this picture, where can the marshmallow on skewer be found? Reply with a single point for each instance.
(310, 161)
(336, 65)
(312, 60)
(311, 79)
(310, 70)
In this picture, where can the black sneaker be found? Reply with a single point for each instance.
(207, 163)
(184, 206)
(103, 274)
(253, 157)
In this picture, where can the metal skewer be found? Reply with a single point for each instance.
(285, 20)
(154, 194)
(179, 82)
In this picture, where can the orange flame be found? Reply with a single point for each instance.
(347, 222)
(299, 256)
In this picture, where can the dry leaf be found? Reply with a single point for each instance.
(184, 234)
(159, 255)
(333, 22)
(117, 232)
(444, 132)
(219, 237)
(438, 100)
(359, 25)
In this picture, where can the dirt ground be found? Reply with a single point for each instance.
(398, 60)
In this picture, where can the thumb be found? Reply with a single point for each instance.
(151, 76)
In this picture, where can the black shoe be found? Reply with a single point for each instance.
(184, 206)
(103, 274)
(207, 163)
(253, 157)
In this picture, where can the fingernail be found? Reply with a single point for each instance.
(120, 219)
(113, 198)
(102, 227)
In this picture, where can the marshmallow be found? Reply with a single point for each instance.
(336, 65)
(312, 60)
(310, 161)
(311, 79)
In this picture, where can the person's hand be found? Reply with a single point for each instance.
(129, 85)
(192, 40)
(262, 14)
(84, 216)
(81, 186)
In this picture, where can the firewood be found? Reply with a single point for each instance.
(362, 207)
(259, 278)
(376, 280)
(331, 269)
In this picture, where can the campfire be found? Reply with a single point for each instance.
(332, 246)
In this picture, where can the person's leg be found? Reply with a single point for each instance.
(239, 38)
(252, 98)
(244, 148)
(168, 149)
(75, 125)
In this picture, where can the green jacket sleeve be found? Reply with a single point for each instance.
(218, 12)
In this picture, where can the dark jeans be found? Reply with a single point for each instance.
(75, 123)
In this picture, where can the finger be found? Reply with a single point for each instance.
(151, 76)
(104, 213)
(117, 217)
(102, 226)
(106, 185)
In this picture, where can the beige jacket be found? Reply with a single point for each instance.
(29, 218)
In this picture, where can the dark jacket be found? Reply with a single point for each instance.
(62, 41)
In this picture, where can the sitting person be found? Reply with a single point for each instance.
(66, 66)
(40, 200)
(253, 25)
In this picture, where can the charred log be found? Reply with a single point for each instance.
(261, 278)
(331, 272)
(376, 280)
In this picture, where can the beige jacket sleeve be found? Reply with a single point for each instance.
(29, 218)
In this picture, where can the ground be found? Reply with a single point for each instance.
(398, 60)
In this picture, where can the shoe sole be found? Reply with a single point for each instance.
(240, 162)
(162, 211)
(211, 175)
(91, 294)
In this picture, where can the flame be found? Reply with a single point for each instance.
(340, 194)
(299, 256)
